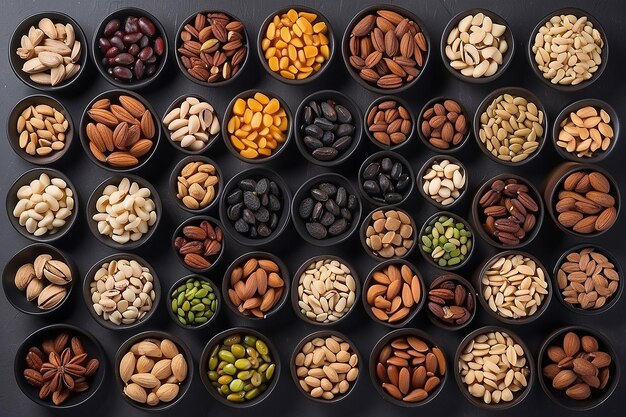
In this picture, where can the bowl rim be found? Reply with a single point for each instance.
(420, 118)
(182, 281)
(376, 156)
(366, 223)
(296, 282)
(96, 54)
(458, 219)
(173, 181)
(194, 221)
(298, 8)
(451, 276)
(401, 103)
(357, 119)
(427, 165)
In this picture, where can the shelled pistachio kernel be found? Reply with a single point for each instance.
(42, 130)
(197, 185)
(241, 367)
(296, 44)
(586, 131)
(194, 302)
(258, 126)
(448, 243)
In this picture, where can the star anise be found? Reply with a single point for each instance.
(61, 372)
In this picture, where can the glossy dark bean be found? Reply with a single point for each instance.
(325, 154)
(146, 26)
(343, 114)
(134, 37)
(104, 44)
(314, 131)
(327, 124)
(371, 171)
(257, 205)
(122, 73)
(385, 181)
(146, 53)
(112, 52)
(130, 25)
(328, 188)
(159, 46)
(117, 41)
(324, 124)
(316, 230)
(306, 207)
(328, 139)
(344, 129)
(124, 59)
(312, 143)
(139, 69)
(328, 111)
(342, 143)
(144, 41)
(325, 211)
(319, 195)
(111, 27)
(134, 49)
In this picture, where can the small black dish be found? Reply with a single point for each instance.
(195, 221)
(303, 192)
(596, 398)
(324, 334)
(320, 18)
(605, 49)
(107, 324)
(478, 215)
(345, 47)
(588, 312)
(239, 262)
(28, 254)
(457, 219)
(506, 59)
(173, 182)
(384, 341)
(97, 54)
(401, 102)
(114, 95)
(178, 44)
(182, 281)
(503, 405)
(92, 347)
(229, 114)
(295, 296)
(13, 137)
(176, 104)
(158, 335)
(406, 169)
(470, 290)
(599, 155)
(366, 224)
(516, 92)
(255, 173)
(22, 29)
(480, 273)
(204, 366)
(97, 193)
(420, 120)
(427, 165)
(12, 200)
(357, 120)
(416, 307)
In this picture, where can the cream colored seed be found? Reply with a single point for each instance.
(197, 185)
(444, 182)
(193, 124)
(41, 130)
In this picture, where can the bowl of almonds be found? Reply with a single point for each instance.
(197, 182)
(389, 122)
(444, 125)
(48, 51)
(586, 131)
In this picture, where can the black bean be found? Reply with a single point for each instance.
(353, 203)
(396, 171)
(247, 185)
(318, 210)
(342, 197)
(274, 203)
(275, 189)
(251, 200)
(338, 227)
(264, 199)
(241, 226)
(332, 207)
(344, 129)
(403, 182)
(248, 216)
(328, 188)
(274, 221)
(312, 143)
(393, 198)
(371, 171)
(324, 124)
(325, 154)
(343, 114)
(316, 230)
(386, 164)
(306, 207)
(262, 215)
(327, 219)
(319, 195)
(328, 111)
(328, 139)
(263, 186)
(342, 143)
(346, 214)
(315, 107)
(314, 131)
(264, 230)
(235, 197)
(308, 115)
(234, 212)
(383, 182)
(371, 187)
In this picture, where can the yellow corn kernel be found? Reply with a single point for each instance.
(325, 51)
(272, 106)
(265, 43)
(265, 131)
(273, 63)
(323, 39)
(249, 153)
(286, 74)
(284, 124)
(262, 143)
(247, 116)
(304, 25)
(297, 42)
(264, 151)
(267, 120)
(308, 39)
(278, 136)
(276, 21)
(262, 99)
(292, 69)
(281, 113)
(239, 107)
(257, 119)
(293, 53)
(237, 144)
(285, 35)
(253, 135)
(249, 143)
(296, 31)
(317, 67)
(292, 15)
(271, 31)
(284, 63)
(308, 16)
(232, 124)
(270, 52)
(271, 143)
(280, 44)
(301, 56)
(310, 51)
(319, 27)
(306, 70)
(254, 105)
(303, 75)
(245, 128)
(310, 61)
(240, 133)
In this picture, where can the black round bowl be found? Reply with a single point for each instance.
(457, 219)
(426, 166)
(92, 347)
(519, 397)
(357, 119)
(402, 103)
(384, 341)
(416, 307)
(204, 365)
(11, 201)
(255, 173)
(166, 132)
(470, 290)
(605, 49)
(303, 192)
(97, 54)
(596, 398)
(87, 291)
(518, 92)
(229, 114)
(599, 155)
(298, 348)
(178, 43)
(85, 120)
(13, 137)
(478, 215)
(28, 254)
(22, 29)
(240, 261)
(507, 56)
(420, 119)
(480, 273)
(366, 224)
(97, 193)
(345, 47)
(182, 281)
(395, 157)
(159, 335)
(173, 182)
(554, 184)
(331, 44)
(195, 221)
(295, 297)
(588, 312)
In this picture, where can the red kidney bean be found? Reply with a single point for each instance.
(111, 27)
(117, 42)
(146, 26)
(111, 52)
(122, 73)
(104, 44)
(146, 53)
(139, 69)
(159, 46)
(131, 25)
(124, 59)
(132, 37)
(134, 49)
(143, 42)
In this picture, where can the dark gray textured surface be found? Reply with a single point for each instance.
(285, 329)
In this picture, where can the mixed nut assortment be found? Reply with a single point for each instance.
(45, 281)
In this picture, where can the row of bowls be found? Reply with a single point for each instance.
(22, 28)
(94, 348)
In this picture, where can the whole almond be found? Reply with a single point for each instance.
(563, 379)
(179, 367)
(571, 344)
(147, 125)
(121, 160)
(132, 105)
(127, 366)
